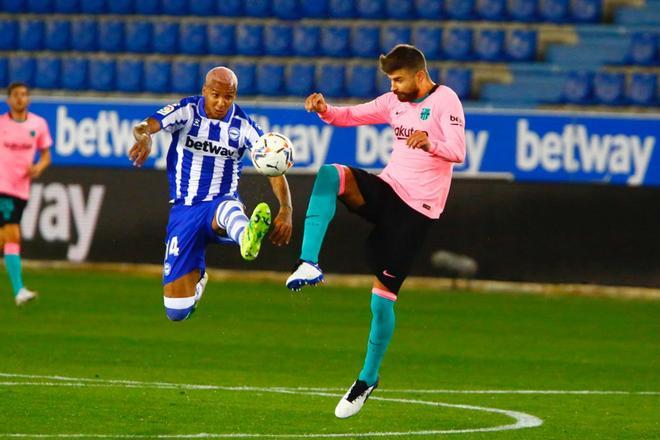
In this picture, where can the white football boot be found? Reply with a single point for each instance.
(199, 288)
(354, 399)
(24, 296)
(305, 274)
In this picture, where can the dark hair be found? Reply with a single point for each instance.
(15, 85)
(403, 56)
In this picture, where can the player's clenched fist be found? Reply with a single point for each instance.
(419, 139)
(315, 103)
(142, 147)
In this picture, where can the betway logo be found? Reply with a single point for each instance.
(209, 147)
(106, 136)
(574, 150)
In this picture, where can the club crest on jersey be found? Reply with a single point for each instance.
(234, 133)
(166, 110)
(33, 133)
(424, 115)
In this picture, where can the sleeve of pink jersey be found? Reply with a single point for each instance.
(372, 112)
(452, 122)
(44, 140)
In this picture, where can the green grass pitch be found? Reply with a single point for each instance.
(101, 328)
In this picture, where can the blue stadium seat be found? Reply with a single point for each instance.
(434, 74)
(9, 32)
(429, 40)
(521, 10)
(165, 39)
(92, 6)
(460, 81)
(365, 41)
(248, 39)
(83, 35)
(577, 88)
(74, 73)
(642, 49)
(147, 7)
(492, 10)
(14, 6)
(174, 7)
(185, 77)
(299, 79)
(393, 35)
(277, 39)
(641, 89)
(47, 73)
(257, 8)
(340, 8)
(585, 11)
(247, 77)
(314, 8)
(383, 83)
(22, 68)
(459, 9)
(138, 36)
(270, 79)
(58, 35)
(555, 11)
(207, 65)
(330, 80)
(111, 35)
(520, 45)
(429, 9)
(220, 38)
(31, 34)
(4, 67)
(361, 81)
(609, 88)
(369, 9)
(39, 6)
(121, 7)
(489, 45)
(157, 76)
(335, 41)
(204, 8)
(130, 72)
(230, 8)
(305, 40)
(400, 9)
(286, 9)
(192, 38)
(66, 6)
(102, 75)
(457, 43)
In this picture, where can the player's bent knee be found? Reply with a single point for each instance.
(179, 309)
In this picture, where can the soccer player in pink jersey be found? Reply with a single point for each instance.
(21, 134)
(401, 202)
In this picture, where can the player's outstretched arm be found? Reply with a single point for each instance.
(142, 132)
(372, 112)
(283, 223)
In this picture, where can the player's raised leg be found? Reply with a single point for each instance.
(230, 220)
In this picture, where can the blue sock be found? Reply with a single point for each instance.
(321, 209)
(13, 266)
(382, 327)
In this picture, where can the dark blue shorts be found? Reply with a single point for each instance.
(189, 231)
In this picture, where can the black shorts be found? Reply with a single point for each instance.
(399, 231)
(11, 209)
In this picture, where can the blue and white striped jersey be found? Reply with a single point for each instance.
(204, 158)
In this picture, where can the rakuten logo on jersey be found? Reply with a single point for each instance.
(403, 133)
(210, 147)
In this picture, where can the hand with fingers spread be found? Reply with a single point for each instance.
(419, 139)
(139, 153)
(316, 103)
(282, 227)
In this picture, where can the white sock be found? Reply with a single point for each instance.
(231, 218)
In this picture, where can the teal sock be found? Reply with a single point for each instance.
(13, 266)
(321, 209)
(382, 327)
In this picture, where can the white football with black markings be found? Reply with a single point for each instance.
(272, 154)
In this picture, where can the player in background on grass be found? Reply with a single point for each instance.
(210, 135)
(22, 134)
(401, 202)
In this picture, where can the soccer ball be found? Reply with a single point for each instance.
(272, 154)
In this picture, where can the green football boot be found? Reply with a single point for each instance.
(255, 231)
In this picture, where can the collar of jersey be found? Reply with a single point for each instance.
(202, 112)
(418, 100)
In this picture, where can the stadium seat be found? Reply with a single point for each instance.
(299, 79)
(277, 39)
(642, 49)
(185, 77)
(400, 9)
(577, 88)
(174, 7)
(9, 32)
(83, 35)
(270, 79)
(370, 9)
(330, 80)
(31, 35)
(120, 7)
(248, 39)
(520, 45)
(58, 35)
(4, 75)
(138, 36)
(157, 76)
(335, 41)
(111, 35)
(340, 8)
(457, 43)
(428, 9)
(246, 74)
(428, 39)
(192, 38)
(165, 37)
(641, 89)
(257, 8)
(521, 10)
(361, 81)
(13, 6)
(555, 11)
(74, 73)
(489, 45)
(365, 41)
(102, 75)
(22, 68)
(220, 38)
(39, 6)
(205, 66)
(585, 11)
(305, 40)
(459, 9)
(314, 8)
(130, 73)
(92, 6)
(609, 88)
(286, 9)
(147, 7)
(66, 6)
(230, 8)
(492, 10)
(393, 35)
(47, 73)
(204, 8)
(383, 83)
(460, 81)
(434, 74)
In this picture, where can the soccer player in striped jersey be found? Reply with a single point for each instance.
(210, 136)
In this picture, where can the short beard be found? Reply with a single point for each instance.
(407, 97)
